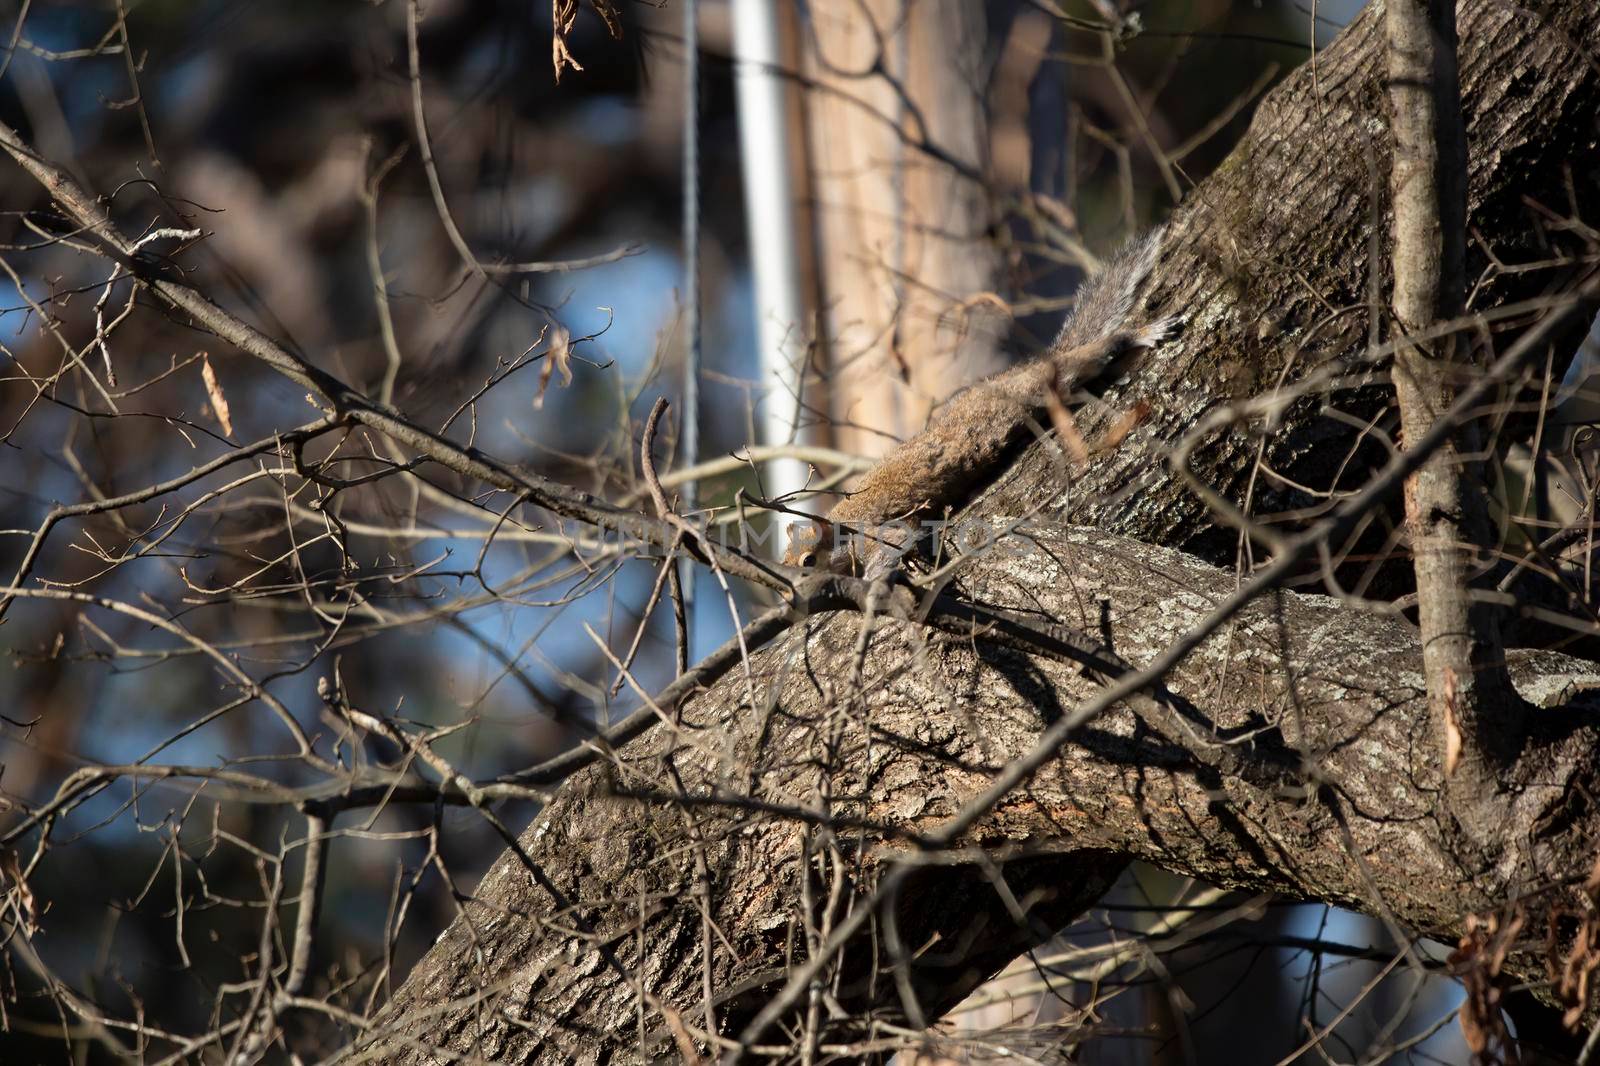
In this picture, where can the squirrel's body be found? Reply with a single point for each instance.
(976, 429)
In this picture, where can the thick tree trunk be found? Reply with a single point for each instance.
(590, 945)
(1273, 259)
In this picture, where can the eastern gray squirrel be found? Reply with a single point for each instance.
(973, 432)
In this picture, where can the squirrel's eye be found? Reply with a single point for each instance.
(808, 557)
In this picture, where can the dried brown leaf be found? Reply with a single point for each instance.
(1452, 724)
(1066, 428)
(219, 402)
(1477, 961)
(1572, 947)
(25, 906)
(1119, 430)
(681, 1036)
(563, 13)
(557, 360)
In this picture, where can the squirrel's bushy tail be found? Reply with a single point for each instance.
(1106, 300)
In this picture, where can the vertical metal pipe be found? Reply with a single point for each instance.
(689, 434)
(764, 137)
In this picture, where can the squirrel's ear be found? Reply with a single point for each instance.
(805, 539)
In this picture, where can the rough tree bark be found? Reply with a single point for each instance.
(1270, 258)
(1329, 787)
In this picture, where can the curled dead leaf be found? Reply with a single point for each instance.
(25, 906)
(219, 402)
(1067, 429)
(563, 13)
(557, 360)
(1119, 430)
(1452, 723)
(1478, 960)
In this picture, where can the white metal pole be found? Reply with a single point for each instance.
(770, 224)
(689, 432)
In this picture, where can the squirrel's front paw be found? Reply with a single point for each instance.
(1162, 329)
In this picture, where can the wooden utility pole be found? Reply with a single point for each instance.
(898, 143)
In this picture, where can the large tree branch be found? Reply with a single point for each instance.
(1294, 682)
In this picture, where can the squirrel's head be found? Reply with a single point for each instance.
(809, 543)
